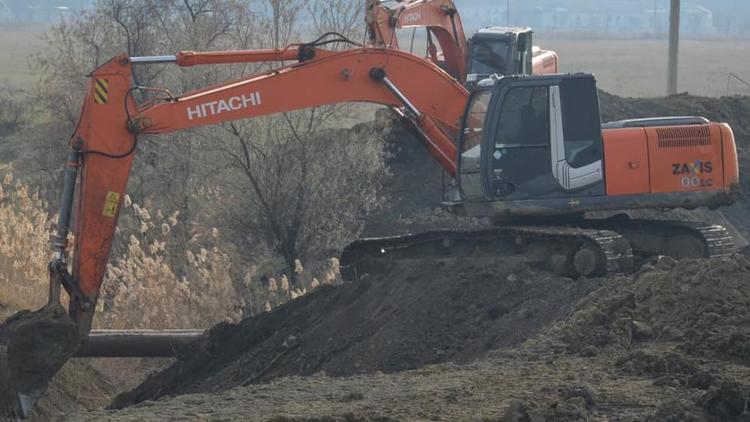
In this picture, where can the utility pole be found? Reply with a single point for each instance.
(674, 46)
(507, 11)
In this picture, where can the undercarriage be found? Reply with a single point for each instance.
(584, 247)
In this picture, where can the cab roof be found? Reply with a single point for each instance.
(503, 29)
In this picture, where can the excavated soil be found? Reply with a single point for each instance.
(733, 110)
(670, 343)
(34, 346)
(412, 315)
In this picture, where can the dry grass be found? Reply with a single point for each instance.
(142, 286)
(149, 284)
(24, 235)
(142, 290)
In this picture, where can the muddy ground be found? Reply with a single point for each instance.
(413, 314)
(671, 343)
(490, 341)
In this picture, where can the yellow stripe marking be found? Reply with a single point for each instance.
(101, 94)
(111, 204)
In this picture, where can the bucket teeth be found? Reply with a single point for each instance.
(10, 403)
(35, 345)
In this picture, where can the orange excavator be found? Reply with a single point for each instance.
(490, 51)
(528, 152)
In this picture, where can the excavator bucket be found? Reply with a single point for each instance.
(33, 347)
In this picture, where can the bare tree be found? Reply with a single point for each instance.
(306, 186)
(283, 184)
(305, 192)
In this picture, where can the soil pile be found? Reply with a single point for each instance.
(733, 110)
(703, 305)
(684, 325)
(414, 314)
(34, 346)
(666, 344)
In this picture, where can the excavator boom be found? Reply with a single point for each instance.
(34, 346)
(441, 19)
(491, 50)
(107, 132)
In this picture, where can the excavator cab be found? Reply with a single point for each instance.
(499, 51)
(531, 139)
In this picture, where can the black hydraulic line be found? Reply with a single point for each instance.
(453, 23)
(60, 238)
(136, 343)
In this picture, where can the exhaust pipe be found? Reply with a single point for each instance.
(136, 343)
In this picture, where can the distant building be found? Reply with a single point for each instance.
(607, 16)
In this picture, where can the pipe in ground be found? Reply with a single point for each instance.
(136, 343)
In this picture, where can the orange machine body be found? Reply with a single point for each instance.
(656, 160)
(440, 17)
(545, 62)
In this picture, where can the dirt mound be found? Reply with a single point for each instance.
(733, 110)
(412, 315)
(664, 344)
(702, 304)
(655, 365)
(567, 408)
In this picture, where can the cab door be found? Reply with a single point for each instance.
(524, 46)
(544, 140)
(518, 143)
(471, 145)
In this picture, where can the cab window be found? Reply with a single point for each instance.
(581, 121)
(524, 118)
(475, 119)
(489, 57)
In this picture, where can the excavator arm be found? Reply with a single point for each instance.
(35, 345)
(441, 19)
(111, 121)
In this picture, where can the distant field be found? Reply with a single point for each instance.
(633, 67)
(637, 68)
(16, 45)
